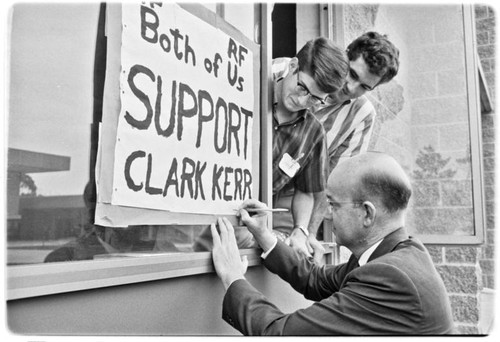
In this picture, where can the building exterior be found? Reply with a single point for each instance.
(437, 118)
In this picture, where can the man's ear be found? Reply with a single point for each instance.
(293, 65)
(370, 213)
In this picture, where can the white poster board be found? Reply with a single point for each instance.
(184, 133)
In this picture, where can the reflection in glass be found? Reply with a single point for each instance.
(57, 243)
(423, 115)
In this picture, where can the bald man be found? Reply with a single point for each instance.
(389, 286)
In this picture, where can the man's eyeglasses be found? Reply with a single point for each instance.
(303, 91)
(337, 204)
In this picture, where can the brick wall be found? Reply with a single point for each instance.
(485, 33)
(461, 274)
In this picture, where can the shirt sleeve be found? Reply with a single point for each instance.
(265, 254)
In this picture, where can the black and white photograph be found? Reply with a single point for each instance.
(230, 169)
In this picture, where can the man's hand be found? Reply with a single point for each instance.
(225, 254)
(298, 241)
(316, 248)
(308, 246)
(257, 224)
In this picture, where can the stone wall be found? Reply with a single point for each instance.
(461, 274)
(485, 33)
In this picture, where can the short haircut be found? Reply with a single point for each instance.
(325, 62)
(381, 56)
(392, 191)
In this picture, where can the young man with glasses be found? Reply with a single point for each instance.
(299, 146)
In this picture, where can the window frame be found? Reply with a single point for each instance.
(46, 279)
(474, 104)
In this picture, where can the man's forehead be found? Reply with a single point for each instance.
(343, 174)
(338, 191)
(335, 183)
(344, 166)
(360, 67)
(311, 84)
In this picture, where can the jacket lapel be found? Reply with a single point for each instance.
(389, 243)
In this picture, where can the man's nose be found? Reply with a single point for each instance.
(352, 84)
(304, 99)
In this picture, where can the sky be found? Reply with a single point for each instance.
(49, 70)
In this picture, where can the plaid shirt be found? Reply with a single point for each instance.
(303, 139)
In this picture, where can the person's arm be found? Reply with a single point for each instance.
(290, 266)
(302, 207)
(365, 303)
(310, 208)
(244, 307)
(318, 214)
(305, 211)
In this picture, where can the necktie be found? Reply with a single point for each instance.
(355, 264)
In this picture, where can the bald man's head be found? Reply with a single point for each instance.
(372, 176)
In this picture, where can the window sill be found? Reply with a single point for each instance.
(46, 279)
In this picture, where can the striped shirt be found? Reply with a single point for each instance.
(303, 140)
(348, 128)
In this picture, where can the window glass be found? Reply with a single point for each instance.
(426, 115)
(212, 6)
(51, 194)
(50, 112)
(241, 16)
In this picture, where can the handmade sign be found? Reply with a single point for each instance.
(184, 134)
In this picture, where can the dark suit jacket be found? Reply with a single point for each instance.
(398, 292)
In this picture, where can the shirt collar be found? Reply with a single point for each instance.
(363, 259)
(281, 76)
(333, 105)
(275, 88)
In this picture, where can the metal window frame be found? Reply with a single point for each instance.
(473, 86)
(53, 278)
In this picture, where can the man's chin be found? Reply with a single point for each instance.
(293, 106)
(343, 96)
